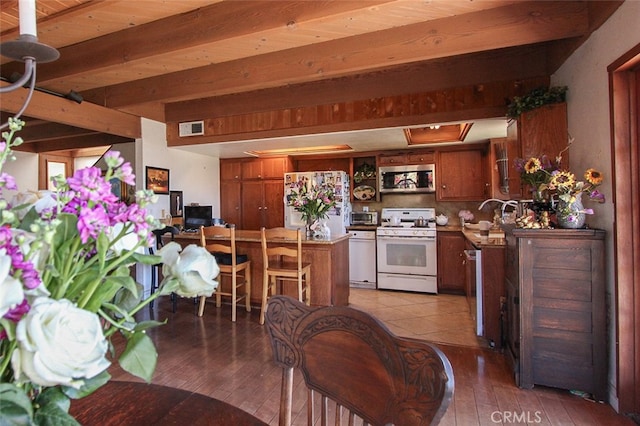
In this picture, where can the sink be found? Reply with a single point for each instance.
(492, 234)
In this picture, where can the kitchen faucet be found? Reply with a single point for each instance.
(505, 203)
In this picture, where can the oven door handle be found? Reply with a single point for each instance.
(395, 238)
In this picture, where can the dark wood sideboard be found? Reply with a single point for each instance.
(556, 312)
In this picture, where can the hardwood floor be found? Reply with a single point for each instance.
(232, 362)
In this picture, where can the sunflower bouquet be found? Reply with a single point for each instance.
(569, 188)
(536, 172)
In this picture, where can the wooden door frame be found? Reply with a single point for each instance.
(43, 161)
(624, 89)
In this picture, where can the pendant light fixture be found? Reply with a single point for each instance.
(26, 49)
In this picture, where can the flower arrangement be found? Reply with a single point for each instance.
(568, 188)
(66, 289)
(465, 215)
(313, 201)
(536, 172)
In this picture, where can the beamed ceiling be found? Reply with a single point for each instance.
(255, 70)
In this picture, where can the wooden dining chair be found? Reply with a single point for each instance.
(233, 265)
(283, 263)
(355, 368)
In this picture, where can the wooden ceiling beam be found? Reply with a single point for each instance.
(41, 131)
(514, 63)
(520, 23)
(75, 143)
(450, 105)
(85, 115)
(173, 37)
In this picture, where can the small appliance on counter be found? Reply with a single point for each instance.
(364, 218)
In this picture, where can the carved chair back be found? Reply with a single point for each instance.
(356, 366)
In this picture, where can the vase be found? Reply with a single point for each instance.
(322, 230)
(309, 227)
(571, 214)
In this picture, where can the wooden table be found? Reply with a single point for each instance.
(329, 265)
(138, 404)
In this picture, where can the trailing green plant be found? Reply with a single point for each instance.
(535, 99)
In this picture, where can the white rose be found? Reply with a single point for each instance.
(41, 200)
(127, 242)
(195, 269)
(59, 344)
(11, 291)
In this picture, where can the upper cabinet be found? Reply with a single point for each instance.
(542, 131)
(461, 176)
(266, 168)
(230, 170)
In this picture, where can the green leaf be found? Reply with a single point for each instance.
(16, 405)
(88, 387)
(67, 230)
(139, 357)
(147, 259)
(145, 325)
(29, 219)
(54, 395)
(53, 415)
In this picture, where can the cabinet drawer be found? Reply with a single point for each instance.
(423, 158)
(392, 159)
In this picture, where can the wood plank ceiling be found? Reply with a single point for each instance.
(257, 69)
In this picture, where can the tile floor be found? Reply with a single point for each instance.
(442, 318)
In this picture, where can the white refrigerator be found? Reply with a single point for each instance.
(338, 218)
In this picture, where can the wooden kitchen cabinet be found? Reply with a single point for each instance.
(231, 202)
(542, 131)
(402, 158)
(230, 170)
(461, 175)
(266, 168)
(252, 191)
(556, 314)
(451, 271)
(262, 204)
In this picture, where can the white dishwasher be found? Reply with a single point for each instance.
(362, 259)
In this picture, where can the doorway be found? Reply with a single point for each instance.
(624, 77)
(53, 165)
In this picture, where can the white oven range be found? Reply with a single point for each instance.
(406, 254)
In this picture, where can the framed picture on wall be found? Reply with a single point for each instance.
(175, 203)
(157, 180)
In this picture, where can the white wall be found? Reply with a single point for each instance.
(25, 171)
(585, 73)
(196, 175)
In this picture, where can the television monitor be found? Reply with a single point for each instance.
(197, 216)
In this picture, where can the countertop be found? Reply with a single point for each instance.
(469, 235)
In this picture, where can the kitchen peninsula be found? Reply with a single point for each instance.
(329, 265)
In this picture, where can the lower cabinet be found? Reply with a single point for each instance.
(451, 271)
(556, 314)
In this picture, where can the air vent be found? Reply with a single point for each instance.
(191, 128)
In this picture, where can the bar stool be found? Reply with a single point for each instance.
(231, 264)
(155, 269)
(283, 263)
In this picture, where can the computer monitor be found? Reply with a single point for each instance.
(197, 216)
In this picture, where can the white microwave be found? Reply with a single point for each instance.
(409, 178)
